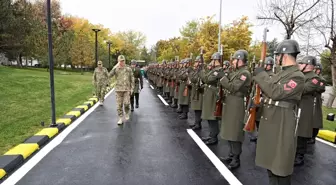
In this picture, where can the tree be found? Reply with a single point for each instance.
(6, 17)
(271, 47)
(292, 15)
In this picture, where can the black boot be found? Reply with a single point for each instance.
(205, 138)
(227, 159)
(235, 163)
(132, 107)
(197, 127)
(211, 141)
(183, 116)
(299, 160)
(169, 100)
(311, 141)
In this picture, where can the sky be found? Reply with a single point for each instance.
(162, 19)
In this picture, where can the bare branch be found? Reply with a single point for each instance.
(305, 11)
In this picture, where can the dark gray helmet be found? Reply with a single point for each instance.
(241, 54)
(133, 62)
(187, 60)
(310, 60)
(226, 63)
(288, 46)
(269, 61)
(198, 59)
(318, 66)
(216, 56)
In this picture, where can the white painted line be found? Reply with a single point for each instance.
(147, 81)
(326, 142)
(23, 170)
(163, 101)
(227, 174)
(151, 86)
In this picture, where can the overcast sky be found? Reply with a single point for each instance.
(162, 19)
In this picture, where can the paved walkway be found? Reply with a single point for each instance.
(155, 148)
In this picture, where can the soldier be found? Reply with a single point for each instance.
(196, 93)
(278, 122)
(237, 85)
(226, 66)
(210, 84)
(318, 115)
(137, 81)
(184, 93)
(123, 88)
(99, 81)
(305, 127)
(269, 63)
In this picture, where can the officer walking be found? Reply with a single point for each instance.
(123, 88)
(99, 81)
(277, 130)
(311, 87)
(237, 84)
(137, 81)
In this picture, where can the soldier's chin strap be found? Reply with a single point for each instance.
(304, 68)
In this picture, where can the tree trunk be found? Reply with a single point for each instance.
(333, 74)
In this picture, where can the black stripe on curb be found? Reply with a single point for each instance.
(81, 110)
(40, 140)
(10, 162)
(60, 127)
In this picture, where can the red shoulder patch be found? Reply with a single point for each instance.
(292, 84)
(243, 77)
(314, 81)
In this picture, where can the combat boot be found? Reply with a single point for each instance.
(197, 127)
(299, 160)
(169, 100)
(205, 138)
(235, 163)
(132, 108)
(227, 159)
(127, 116)
(311, 141)
(183, 116)
(120, 122)
(211, 141)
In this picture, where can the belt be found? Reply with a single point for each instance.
(282, 104)
(238, 94)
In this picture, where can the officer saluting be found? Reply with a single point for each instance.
(278, 124)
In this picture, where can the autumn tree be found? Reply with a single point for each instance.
(292, 15)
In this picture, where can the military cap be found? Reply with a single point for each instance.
(133, 62)
(288, 46)
(241, 54)
(269, 61)
(310, 60)
(216, 56)
(121, 58)
(100, 62)
(226, 63)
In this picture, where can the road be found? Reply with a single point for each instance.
(154, 148)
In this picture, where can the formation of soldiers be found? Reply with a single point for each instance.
(283, 133)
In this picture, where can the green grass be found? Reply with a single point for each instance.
(25, 100)
(329, 125)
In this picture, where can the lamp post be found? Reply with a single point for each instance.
(51, 66)
(219, 26)
(109, 52)
(96, 47)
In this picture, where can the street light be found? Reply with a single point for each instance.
(109, 52)
(51, 67)
(96, 32)
(219, 26)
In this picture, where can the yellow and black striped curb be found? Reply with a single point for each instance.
(327, 135)
(16, 156)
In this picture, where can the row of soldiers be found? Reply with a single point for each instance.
(282, 133)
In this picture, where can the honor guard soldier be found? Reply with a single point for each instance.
(311, 87)
(278, 122)
(226, 66)
(210, 83)
(196, 93)
(237, 85)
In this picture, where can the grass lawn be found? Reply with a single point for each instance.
(25, 100)
(329, 125)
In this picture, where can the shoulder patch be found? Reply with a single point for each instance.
(314, 81)
(242, 77)
(215, 73)
(290, 85)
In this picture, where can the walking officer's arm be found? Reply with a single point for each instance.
(234, 85)
(132, 79)
(311, 86)
(281, 90)
(113, 71)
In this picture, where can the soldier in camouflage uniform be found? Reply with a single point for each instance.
(137, 81)
(210, 84)
(100, 81)
(123, 88)
(318, 115)
(305, 126)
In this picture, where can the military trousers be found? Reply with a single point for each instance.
(235, 147)
(213, 128)
(136, 95)
(278, 180)
(198, 119)
(123, 100)
(301, 148)
(100, 91)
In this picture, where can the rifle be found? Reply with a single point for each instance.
(219, 105)
(198, 85)
(250, 124)
(186, 88)
(176, 84)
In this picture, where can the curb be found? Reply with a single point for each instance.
(327, 135)
(16, 156)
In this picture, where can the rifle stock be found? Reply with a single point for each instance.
(250, 124)
(219, 105)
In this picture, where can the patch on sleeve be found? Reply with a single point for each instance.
(314, 81)
(243, 77)
(215, 73)
(290, 85)
(321, 83)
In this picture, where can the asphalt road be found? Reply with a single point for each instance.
(154, 148)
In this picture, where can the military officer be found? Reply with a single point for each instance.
(123, 88)
(210, 84)
(318, 115)
(278, 122)
(269, 63)
(138, 84)
(311, 87)
(99, 81)
(237, 84)
(196, 93)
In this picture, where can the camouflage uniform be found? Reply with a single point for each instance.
(100, 80)
(124, 87)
